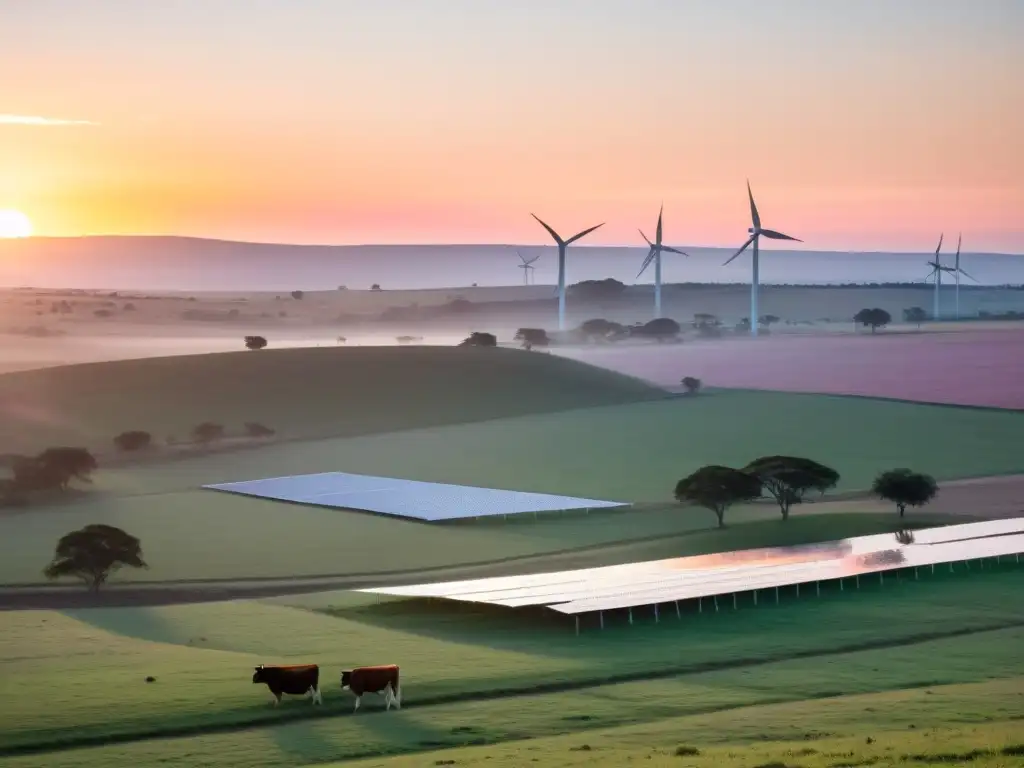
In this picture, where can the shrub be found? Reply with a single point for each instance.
(532, 337)
(208, 432)
(599, 328)
(691, 384)
(135, 440)
(298, 295)
(479, 339)
(255, 342)
(255, 429)
(659, 329)
(375, 287)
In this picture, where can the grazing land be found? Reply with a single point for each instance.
(634, 452)
(965, 368)
(301, 393)
(477, 675)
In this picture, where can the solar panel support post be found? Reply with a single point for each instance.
(656, 613)
(734, 601)
(881, 577)
(841, 588)
(776, 595)
(631, 617)
(798, 590)
(577, 625)
(600, 618)
(856, 580)
(933, 568)
(817, 589)
(755, 597)
(678, 614)
(916, 577)
(950, 567)
(715, 598)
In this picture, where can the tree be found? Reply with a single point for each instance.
(905, 488)
(597, 290)
(599, 328)
(717, 488)
(93, 553)
(788, 478)
(134, 440)
(479, 339)
(768, 320)
(873, 318)
(255, 429)
(914, 315)
(298, 295)
(255, 342)
(54, 468)
(659, 329)
(207, 432)
(375, 287)
(691, 384)
(532, 337)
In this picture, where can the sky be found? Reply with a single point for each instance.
(861, 124)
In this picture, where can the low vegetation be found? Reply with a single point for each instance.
(479, 339)
(133, 440)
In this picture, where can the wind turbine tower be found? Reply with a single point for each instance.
(958, 272)
(527, 267)
(937, 270)
(562, 245)
(655, 255)
(756, 232)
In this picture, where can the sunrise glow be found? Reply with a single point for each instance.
(14, 224)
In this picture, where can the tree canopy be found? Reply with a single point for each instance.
(691, 384)
(532, 337)
(717, 488)
(93, 553)
(659, 329)
(914, 315)
(54, 468)
(255, 342)
(789, 478)
(873, 318)
(905, 488)
(599, 328)
(479, 339)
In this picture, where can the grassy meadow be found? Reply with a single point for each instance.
(632, 452)
(473, 678)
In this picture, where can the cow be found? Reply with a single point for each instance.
(296, 680)
(382, 680)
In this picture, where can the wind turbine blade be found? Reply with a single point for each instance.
(773, 235)
(674, 250)
(647, 261)
(549, 229)
(939, 246)
(966, 275)
(645, 238)
(754, 217)
(584, 233)
(657, 235)
(959, 238)
(521, 258)
(530, 261)
(742, 249)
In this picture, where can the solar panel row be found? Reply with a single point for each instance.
(406, 498)
(634, 584)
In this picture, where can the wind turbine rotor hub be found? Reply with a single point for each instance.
(752, 230)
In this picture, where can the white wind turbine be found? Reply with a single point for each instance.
(562, 245)
(655, 255)
(527, 266)
(937, 270)
(756, 232)
(958, 272)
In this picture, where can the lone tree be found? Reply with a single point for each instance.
(532, 337)
(873, 318)
(787, 479)
(93, 553)
(905, 488)
(479, 339)
(914, 315)
(717, 488)
(691, 385)
(659, 329)
(255, 342)
(54, 468)
(298, 295)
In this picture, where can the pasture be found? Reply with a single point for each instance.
(963, 367)
(633, 452)
(474, 678)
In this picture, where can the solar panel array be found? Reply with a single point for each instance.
(406, 498)
(662, 581)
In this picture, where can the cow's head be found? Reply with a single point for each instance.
(258, 677)
(346, 679)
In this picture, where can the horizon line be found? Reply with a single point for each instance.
(458, 244)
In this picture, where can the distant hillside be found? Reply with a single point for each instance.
(316, 392)
(195, 264)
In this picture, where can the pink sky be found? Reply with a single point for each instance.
(867, 125)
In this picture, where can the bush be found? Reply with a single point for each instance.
(135, 440)
(298, 295)
(255, 429)
(479, 339)
(52, 469)
(208, 432)
(599, 328)
(532, 337)
(659, 329)
(255, 342)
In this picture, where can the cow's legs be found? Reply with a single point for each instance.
(389, 696)
(276, 698)
(315, 694)
(398, 696)
(356, 707)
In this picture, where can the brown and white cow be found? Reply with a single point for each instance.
(295, 680)
(382, 680)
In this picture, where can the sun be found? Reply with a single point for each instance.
(14, 224)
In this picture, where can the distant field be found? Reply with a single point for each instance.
(633, 452)
(92, 663)
(965, 367)
(318, 392)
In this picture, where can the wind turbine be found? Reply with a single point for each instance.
(756, 232)
(655, 255)
(958, 272)
(562, 245)
(527, 267)
(937, 270)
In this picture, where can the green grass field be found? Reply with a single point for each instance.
(819, 669)
(632, 452)
(316, 392)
